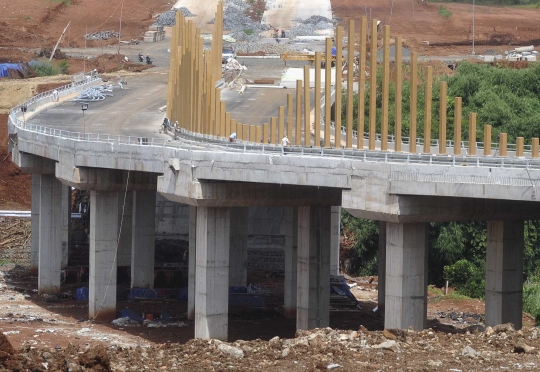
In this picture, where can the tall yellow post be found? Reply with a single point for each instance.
(399, 85)
(258, 134)
(472, 133)
(227, 124)
(253, 134)
(339, 78)
(414, 102)
(487, 140)
(281, 121)
(218, 112)
(328, 93)
(273, 131)
(266, 134)
(317, 104)
(503, 144)
(350, 77)
(212, 111)
(519, 147)
(534, 147)
(442, 118)
(234, 128)
(385, 88)
(373, 86)
(427, 110)
(223, 119)
(298, 128)
(457, 126)
(239, 131)
(290, 117)
(307, 110)
(245, 132)
(360, 125)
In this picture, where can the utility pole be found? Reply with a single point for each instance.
(58, 42)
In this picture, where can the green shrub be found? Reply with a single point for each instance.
(467, 278)
(444, 12)
(531, 298)
(63, 66)
(44, 68)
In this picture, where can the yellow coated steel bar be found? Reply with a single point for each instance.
(234, 127)
(258, 134)
(442, 118)
(360, 126)
(327, 93)
(253, 134)
(472, 133)
(373, 86)
(414, 102)
(245, 132)
(399, 86)
(503, 144)
(281, 121)
(290, 117)
(534, 147)
(298, 128)
(339, 79)
(218, 112)
(457, 125)
(428, 93)
(223, 122)
(487, 140)
(227, 124)
(273, 130)
(307, 110)
(350, 77)
(266, 137)
(385, 88)
(317, 108)
(519, 147)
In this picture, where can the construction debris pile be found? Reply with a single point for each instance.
(310, 26)
(102, 35)
(168, 18)
(241, 27)
(97, 93)
(266, 48)
(15, 240)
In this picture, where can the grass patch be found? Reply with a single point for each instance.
(443, 12)
(438, 295)
(248, 31)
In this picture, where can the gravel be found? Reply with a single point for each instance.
(236, 21)
(168, 18)
(310, 26)
(102, 35)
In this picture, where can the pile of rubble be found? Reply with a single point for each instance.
(102, 35)
(15, 240)
(241, 27)
(310, 26)
(266, 48)
(168, 18)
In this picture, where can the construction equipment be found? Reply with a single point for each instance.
(522, 54)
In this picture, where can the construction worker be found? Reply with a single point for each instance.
(232, 137)
(285, 141)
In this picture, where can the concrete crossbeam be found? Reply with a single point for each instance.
(143, 236)
(291, 262)
(238, 247)
(406, 276)
(313, 292)
(50, 245)
(103, 244)
(504, 273)
(212, 273)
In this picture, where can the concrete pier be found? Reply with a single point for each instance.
(504, 273)
(34, 243)
(335, 221)
(238, 247)
(143, 234)
(406, 276)
(212, 273)
(291, 262)
(192, 261)
(382, 267)
(125, 222)
(50, 245)
(313, 297)
(66, 224)
(103, 245)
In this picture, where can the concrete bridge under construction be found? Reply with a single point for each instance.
(405, 183)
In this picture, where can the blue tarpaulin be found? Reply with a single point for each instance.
(342, 289)
(131, 314)
(81, 294)
(5, 66)
(143, 293)
(183, 294)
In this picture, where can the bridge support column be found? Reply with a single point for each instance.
(192, 261)
(504, 273)
(103, 242)
(34, 254)
(50, 224)
(313, 299)
(143, 239)
(212, 273)
(66, 224)
(335, 221)
(291, 262)
(238, 247)
(406, 276)
(382, 267)
(125, 221)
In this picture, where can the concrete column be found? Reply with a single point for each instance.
(504, 273)
(313, 297)
(382, 267)
(291, 261)
(103, 244)
(192, 261)
(143, 239)
(335, 233)
(50, 246)
(34, 254)
(125, 222)
(238, 247)
(212, 273)
(406, 276)
(66, 224)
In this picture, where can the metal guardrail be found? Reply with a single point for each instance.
(197, 142)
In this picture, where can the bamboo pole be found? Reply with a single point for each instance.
(327, 93)
(339, 79)
(360, 126)
(399, 85)
(373, 86)
(317, 104)
(487, 140)
(385, 88)
(414, 102)
(472, 133)
(350, 77)
(457, 126)
(427, 110)
(442, 118)
(298, 130)
(307, 110)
